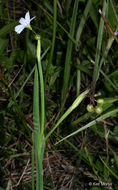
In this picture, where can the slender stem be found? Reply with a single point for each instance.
(36, 120)
(41, 87)
(41, 142)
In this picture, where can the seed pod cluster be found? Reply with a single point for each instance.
(98, 108)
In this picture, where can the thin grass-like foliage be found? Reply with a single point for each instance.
(98, 47)
(79, 60)
(101, 118)
(82, 23)
(67, 66)
(28, 77)
(77, 101)
(53, 40)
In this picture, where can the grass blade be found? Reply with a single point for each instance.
(53, 39)
(101, 118)
(111, 171)
(82, 23)
(7, 28)
(71, 108)
(99, 44)
(78, 78)
(68, 54)
(25, 82)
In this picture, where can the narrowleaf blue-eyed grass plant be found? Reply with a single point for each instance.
(66, 64)
(39, 138)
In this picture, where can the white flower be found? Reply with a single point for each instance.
(116, 33)
(24, 23)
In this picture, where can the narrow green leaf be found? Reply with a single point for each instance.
(53, 40)
(110, 170)
(82, 23)
(68, 54)
(101, 118)
(3, 44)
(99, 44)
(70, 109)
(7, 28)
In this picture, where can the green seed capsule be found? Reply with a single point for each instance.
(90, 108)
(98, 109)
(100, 101)
(37, 37)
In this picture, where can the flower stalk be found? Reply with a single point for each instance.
(39, 129)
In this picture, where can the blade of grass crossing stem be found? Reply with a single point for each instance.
(84, 117)
(53, 40)
(101, 118)
(109, 44)
(70, 109)
(82, 23)
(98, 48)
(107, 78)
(19, 111)
(68, 55)
(25, 82)
(90, 160)
(111, 171)
(108, 47)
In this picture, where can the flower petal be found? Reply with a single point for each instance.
(19, 28)
(116, 33)
(22, 21)
(27, 18)
(32, 18)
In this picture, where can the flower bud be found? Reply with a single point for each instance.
(90, 108)
(100, 101)
(37, 37)
(98, 109)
